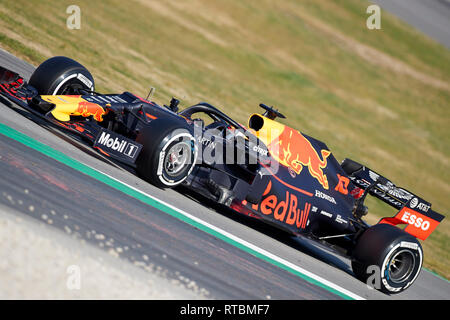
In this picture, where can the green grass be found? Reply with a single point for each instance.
(380, 97)
(16, 46)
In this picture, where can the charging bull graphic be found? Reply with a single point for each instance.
(87, 109)
(293, 150)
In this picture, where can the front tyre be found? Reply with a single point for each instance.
(387, 257)
(61, 76)
(168, 155)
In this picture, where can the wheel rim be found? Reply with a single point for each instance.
(177, 158)
(401, 266)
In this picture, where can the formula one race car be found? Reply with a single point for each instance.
(267, 170)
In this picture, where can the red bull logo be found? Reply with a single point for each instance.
(294, 151)
(87, 109)
(288, 209)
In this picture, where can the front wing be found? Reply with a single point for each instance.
(107, 142)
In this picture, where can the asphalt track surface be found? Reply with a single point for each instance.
(431, 17)
(180, 250)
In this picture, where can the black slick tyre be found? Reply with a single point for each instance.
(61, 76)
(168, 154)
(387, 258)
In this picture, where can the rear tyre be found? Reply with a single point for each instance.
(168, 154)
(61, 76)
(387, 258)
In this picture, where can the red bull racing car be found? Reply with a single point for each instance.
(265, 170)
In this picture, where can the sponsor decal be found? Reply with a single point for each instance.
(409, 245)
(261, 151)
(423, 207)
(118, 145)
(374, 176)
(380, 193)
(339, 219)
(342, 184)
(399, 193)
(326, 214)
(391, 189)
(86, 81)
(415, 220)
(320, 194)
(293, 150)
(387, 198)
(288, 210)
(414, 202)
(418, 225)
(162, 154)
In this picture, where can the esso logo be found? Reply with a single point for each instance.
(416, 221)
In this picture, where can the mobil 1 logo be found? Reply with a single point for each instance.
(117, 146)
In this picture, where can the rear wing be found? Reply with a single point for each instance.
(414, 211)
